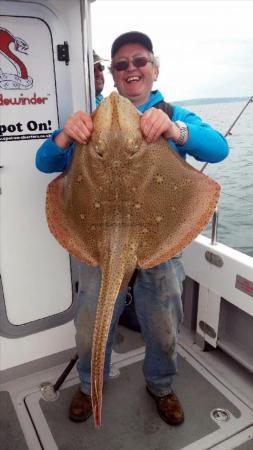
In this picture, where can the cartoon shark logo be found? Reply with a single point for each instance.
(17, 78)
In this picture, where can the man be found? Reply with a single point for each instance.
(158, 290)
(98, 77)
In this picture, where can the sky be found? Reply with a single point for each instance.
(205, 47)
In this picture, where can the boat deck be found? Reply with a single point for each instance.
(210, 385)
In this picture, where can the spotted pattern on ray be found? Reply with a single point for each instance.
(125, 203)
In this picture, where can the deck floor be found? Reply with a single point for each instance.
(130, 419)
(129, 416)
(11, 434)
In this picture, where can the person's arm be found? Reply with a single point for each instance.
(52, 158)
(55, 153)
(204, 143)
(201, 140)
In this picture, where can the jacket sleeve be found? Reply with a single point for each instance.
(204, 142)
(51, 158)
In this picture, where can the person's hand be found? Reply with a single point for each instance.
(156, 123)
(78, 128)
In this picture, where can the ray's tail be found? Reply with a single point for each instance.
(118, 267)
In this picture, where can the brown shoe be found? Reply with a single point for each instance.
(80, 407)
(169, 408)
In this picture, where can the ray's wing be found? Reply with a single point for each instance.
(178, 202)
(72, 215)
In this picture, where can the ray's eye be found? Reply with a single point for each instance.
(99, 147)
(98, 151)
(133, 145)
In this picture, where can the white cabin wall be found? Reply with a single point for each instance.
(17, 351)
(69, 12)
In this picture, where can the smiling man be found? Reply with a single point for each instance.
(134, 69)
(158, 290)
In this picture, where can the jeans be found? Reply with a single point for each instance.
(157, 294)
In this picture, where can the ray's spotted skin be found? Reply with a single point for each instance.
(125, 203)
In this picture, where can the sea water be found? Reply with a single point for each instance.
(235, 173)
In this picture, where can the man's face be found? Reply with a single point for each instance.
(99, 78)
(135, 83)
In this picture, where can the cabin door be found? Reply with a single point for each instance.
(36, 283)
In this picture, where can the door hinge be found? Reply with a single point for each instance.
(63, 52)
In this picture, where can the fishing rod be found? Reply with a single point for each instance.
(230, 128)
(216, 213)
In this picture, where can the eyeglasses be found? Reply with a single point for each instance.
(99, 67)
(138, 61)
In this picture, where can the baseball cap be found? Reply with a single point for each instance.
(97, 59)
(132, 37)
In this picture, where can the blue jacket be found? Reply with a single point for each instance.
(99, 99)
(204, 143)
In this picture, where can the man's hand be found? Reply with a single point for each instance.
(156, 123)
(78, 128)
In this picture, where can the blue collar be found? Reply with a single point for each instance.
(154, 98)
(99, 99)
